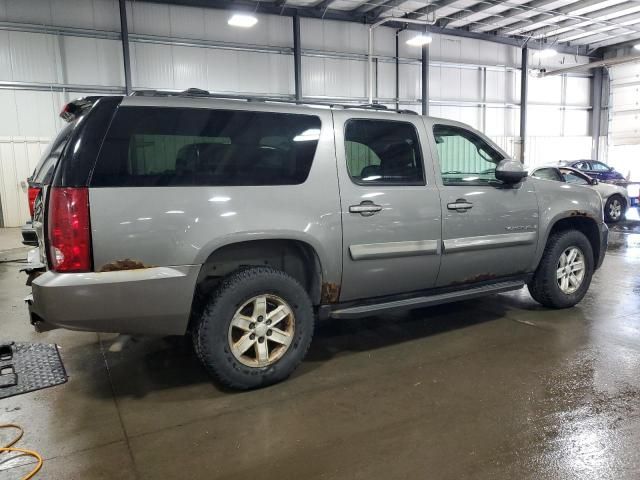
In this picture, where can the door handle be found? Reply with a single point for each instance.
(366, 208)
(461, 205)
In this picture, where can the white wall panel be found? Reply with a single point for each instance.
(32, 57)
(410, 81)
(151, 66)
(576, 122)
(386, 80)
(189, 67)
(333, 77)
(545, 89)
(578, 91)
(89, 61)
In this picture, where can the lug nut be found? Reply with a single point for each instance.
(261, 339)
(260, 318)
(268, 322)
(252, 336)
(252, 325)
(268, 333)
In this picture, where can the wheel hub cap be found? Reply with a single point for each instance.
(615, 209)
(261, 331)
(570, 270)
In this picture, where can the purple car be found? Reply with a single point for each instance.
(595, 169)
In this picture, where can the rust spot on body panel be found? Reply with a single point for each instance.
(330, 292)
(126, 264)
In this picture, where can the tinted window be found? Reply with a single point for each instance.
(383, 152)
(600, 167)
(582, 165)
(47, 164)
(465, 158)
(181, 146)
(548, 174)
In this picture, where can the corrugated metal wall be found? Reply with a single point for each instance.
(74, 45)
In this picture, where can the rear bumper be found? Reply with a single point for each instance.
(151, 301)
(604, 241)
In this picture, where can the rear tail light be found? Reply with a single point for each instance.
(69, 230)
(32, 194)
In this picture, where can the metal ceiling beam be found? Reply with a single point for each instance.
(352, 16)
(512, 14)
(585, 35)
(427, 10)
(468, 12)
(595, 17)
(617, 41)
(370, 5)
(551, 18)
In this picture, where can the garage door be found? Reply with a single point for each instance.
(624, 125)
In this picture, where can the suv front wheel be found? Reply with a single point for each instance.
(256, 328)
(564, 273)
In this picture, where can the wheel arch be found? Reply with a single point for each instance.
(583, 223)
(297, 258)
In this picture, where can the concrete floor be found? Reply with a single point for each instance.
(498, 388)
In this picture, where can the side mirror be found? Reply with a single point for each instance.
(594, 181)
(510, 171)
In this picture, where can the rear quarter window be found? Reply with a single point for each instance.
(186, 146)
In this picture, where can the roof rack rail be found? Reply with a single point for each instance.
(200, 93)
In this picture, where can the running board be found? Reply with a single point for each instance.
(426, 300)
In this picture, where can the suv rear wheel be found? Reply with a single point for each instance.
(564, 273)
(614, 209)
(256, 328)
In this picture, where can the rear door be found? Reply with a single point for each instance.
(390, 205)
(489, 229)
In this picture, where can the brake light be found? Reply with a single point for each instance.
(69, 230)
(32, 194)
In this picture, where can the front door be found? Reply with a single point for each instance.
(489, 229)
(390, 205)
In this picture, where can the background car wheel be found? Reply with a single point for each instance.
(614, 209)
(256, 328)
(565, 270)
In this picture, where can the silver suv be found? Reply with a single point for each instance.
(242, 222)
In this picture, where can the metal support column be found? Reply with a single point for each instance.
(596, 112)
(425, 79)
(397, 70)
(524, 87)
(124, 34)
(297, 58)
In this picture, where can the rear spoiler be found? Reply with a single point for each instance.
(75, 108)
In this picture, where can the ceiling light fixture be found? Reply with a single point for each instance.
(637, 46)
(242, 20)
(419, 40)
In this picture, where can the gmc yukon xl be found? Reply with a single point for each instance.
(241, 223)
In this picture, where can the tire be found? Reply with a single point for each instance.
(545, 286)
(237, 300)
(614, 209)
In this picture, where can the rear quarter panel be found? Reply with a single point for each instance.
(172, 226)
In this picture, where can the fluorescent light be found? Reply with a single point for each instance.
(242, 20)
(546, 53)
(637, 46)
(419, 40)
(307, 135)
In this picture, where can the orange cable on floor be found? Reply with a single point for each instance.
(21, 451)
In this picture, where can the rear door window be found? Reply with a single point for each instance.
(383, 152)
(187, 146)
(548, 174)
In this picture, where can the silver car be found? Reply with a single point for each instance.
(242, 223)
(615, 198)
